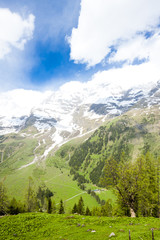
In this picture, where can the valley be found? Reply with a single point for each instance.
(68, 154)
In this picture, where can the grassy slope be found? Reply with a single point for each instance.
(41, 226)
(54, 173)
(58, 181)
(131, 133)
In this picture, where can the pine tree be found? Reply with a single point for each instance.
(75, 208)
(88, 212)
(61, 208)
(80, 206)
(49, 207)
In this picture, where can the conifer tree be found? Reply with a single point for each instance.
(49, 207)
(88, 212)
(75, 208)
(61, 208)
(81, 206)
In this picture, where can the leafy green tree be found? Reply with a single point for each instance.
(136, 185)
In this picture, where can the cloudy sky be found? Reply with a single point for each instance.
(46, 43)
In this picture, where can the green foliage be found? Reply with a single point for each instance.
(3, 200)
(61, 208)
(136, 184)
(95, 174)
(49, 206)
(31, 200)
(14, 207)
(75, 208)
(110, 141)
(80, 206)
(88, 212)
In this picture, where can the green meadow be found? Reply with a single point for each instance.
(43, 226)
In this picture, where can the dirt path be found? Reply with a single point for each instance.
(72, 197)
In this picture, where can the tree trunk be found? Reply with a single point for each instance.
(132, 212)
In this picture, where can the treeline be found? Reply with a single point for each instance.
(40, 200)
(104, 210)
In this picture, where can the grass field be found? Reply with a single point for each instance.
(68, 227)
(59, 181)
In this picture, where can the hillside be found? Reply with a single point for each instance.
(126, 136)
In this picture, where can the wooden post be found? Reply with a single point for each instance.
(129, 235)
(152, 234)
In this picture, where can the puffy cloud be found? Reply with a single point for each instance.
(139, 47)
(103, 24)
(14, 31)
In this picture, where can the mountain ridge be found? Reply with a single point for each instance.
(69, 112)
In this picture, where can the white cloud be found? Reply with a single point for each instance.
(139, 47)
(19, 102)
(14, 31)
(103, 24)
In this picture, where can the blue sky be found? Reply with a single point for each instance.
(47, 55)
(45, 43)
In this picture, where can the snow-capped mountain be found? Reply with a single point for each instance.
(73, 110)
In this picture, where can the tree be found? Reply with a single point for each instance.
(80, 206)
(106, 209)
(13, 207)
(31, 199)
(44, 197)
(61, 208)
(49, 207)
(136, 184)
(88, 212)
(41, 196)
(75, 208)
(3, 200)
(48, 193)
(53, 207)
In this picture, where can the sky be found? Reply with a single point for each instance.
(45, 44)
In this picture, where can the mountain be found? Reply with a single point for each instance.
(64, 137)
(75, 110)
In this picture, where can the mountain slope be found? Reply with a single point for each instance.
(124, 137)
(73, 111)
